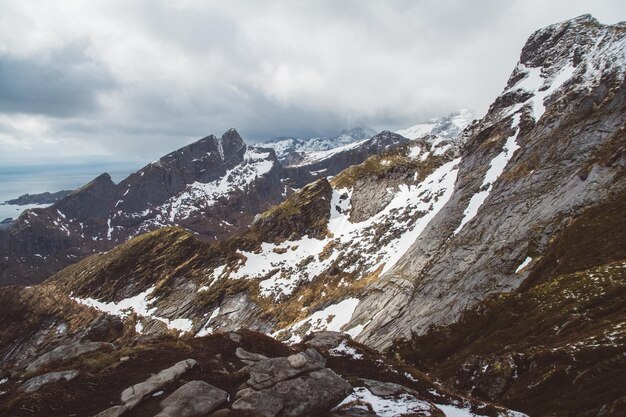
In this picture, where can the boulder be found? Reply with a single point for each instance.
(387, 389)
(195, 398)
(262, 403)
(155, 382)
(114, 411)
(37, 382)
(312, 394)
(249, 356)
(326, 339)
(268, 372)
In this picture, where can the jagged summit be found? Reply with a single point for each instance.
(232, 144)
(575, 56)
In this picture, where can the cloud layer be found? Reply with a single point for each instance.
(141, 78)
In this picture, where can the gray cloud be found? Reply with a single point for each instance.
(144, 77)
(65, 83)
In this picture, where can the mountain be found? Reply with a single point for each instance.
(212, 187)
(493, 261)
(448, 127)
(293, 150)
(328, 163)
(550, 146)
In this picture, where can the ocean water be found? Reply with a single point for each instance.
(16, 180)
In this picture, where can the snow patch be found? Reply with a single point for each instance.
(138, 304)
(344, 350)
(331, 318)
(524, 264)
(385, 407)
(535, 81)
(496, 168)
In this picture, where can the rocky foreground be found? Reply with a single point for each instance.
(239, 373)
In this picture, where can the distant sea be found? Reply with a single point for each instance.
(16, 180)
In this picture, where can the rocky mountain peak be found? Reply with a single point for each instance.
(102, 180)
(232, 144)
(559, 41)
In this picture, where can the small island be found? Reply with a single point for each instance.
(42, 198)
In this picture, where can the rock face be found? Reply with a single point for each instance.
(550, 146)
(213, 187)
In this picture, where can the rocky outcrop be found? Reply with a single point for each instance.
(133, 395)
(293, 386)
(237, 373)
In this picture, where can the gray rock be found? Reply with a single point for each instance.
(297, 361)
(314, 393)
(65, 353)
(244, 392)
(195, 398)
(221, 413)
(37, 382)
(235, 337)
(354, 412)
(325, 339)
(136, 393)
(114, 411)
(262, 403)
(386, 389)
(268, 372)
(249, 356)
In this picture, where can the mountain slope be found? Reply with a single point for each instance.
(556, 344)
(550, 146)
(322, 245)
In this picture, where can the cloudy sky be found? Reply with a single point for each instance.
(136, 79)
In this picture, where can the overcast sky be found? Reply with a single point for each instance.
(136, 79)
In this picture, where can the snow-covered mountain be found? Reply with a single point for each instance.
(447, 127)
(494, 261)
(291, 151)
(212, 187)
